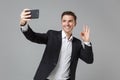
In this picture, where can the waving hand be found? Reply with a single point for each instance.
(85, 34)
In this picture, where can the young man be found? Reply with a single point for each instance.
(62, 50)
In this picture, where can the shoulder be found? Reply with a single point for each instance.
(76, 40)
(53, 32)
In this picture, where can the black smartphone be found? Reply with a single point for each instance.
(34, 13)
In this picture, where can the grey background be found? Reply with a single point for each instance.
(19, 58)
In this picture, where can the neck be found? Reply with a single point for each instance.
(68, 34)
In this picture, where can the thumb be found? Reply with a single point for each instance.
(82, 34)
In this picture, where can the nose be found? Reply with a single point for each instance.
(67, 23)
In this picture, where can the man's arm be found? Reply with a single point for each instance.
(86, 52)
(40, 38)
(28, 32)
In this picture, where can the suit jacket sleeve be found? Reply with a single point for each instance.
(40, 38)
(86, 54)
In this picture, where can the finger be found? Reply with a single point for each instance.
(26, 19)
(86, 28)
(83, 27)
(25, 10)
(24, 14)
(27, 13)
(28, 16)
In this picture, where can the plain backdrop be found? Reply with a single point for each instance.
(19, 58)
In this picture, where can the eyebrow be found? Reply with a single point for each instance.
(68, 20)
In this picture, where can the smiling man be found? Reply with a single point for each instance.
(62, 50)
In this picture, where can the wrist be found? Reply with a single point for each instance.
(23, 23)
(86, 40)
(87, 43)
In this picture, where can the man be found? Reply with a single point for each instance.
(62, 50)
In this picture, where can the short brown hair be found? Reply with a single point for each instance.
(69, 13)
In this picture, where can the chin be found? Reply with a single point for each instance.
(67, 31)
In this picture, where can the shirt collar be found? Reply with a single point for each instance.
(64, 36)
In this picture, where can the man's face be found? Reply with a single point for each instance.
(68, 23)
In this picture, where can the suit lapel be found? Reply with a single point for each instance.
(59, 43)
(59, 40)
(73, 50)
(59, 36)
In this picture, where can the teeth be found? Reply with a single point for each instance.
(67, 27)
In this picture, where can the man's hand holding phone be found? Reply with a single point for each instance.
(27, 15)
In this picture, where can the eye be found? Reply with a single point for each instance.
(63, 20)
(70, 20)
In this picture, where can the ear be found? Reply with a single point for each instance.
(75, 23)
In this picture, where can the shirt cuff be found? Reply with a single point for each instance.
(24, 28)
(87, 43)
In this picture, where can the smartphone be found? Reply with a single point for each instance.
(34, 13)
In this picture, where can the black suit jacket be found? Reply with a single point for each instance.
(53, 40)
